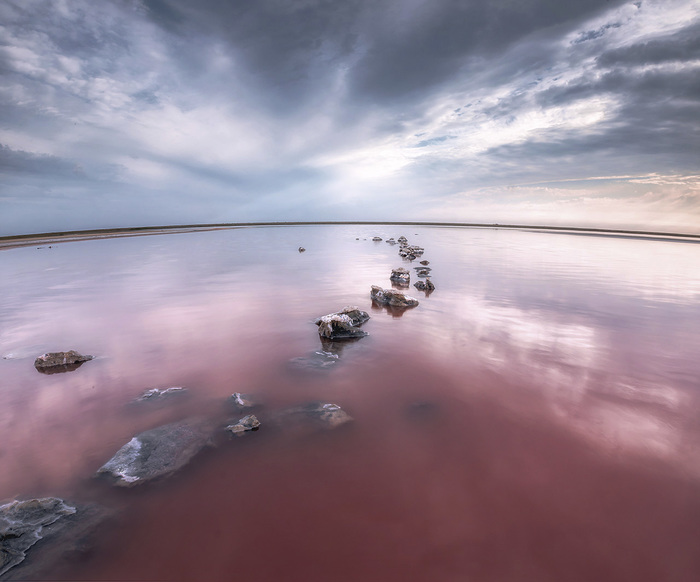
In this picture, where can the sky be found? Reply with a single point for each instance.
(157, 112)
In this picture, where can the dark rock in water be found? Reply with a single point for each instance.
(401, 276)
(36, 534)
(423, 272)
(157, 452)
(301, 249)
(426, 285)
(159, 394)
(425, 269)
(343, 324)
(317, 414)
(245, 424)
(410, 252)
(403, 239)
(377, 238)
(55, 362)
(242, 401)
(425, 262)
(392, 298)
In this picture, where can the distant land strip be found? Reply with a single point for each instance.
(21, 240)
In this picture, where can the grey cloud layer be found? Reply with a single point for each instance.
(272, 109)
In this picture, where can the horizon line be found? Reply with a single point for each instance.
(74, 235)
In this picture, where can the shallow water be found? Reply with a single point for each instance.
(533, 419)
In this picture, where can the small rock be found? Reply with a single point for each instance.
(301, 249)
(156, 453)
(160, 393)
(245, 424)
(60, 361)
(403, 239)
(425, 262)
(342, 324)
(320, 414)
(377, 238)
(392, 298)
(422, 273)
(426, 285)
(401, 276)
(242, 401)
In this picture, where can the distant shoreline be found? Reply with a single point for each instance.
(22, 240)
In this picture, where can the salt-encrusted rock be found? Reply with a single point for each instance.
(392, 298)
(301, 249)
(60, 361)
(316, 414)
(22, 524)
(159, 394)
(157, 452)
(426, 285)
(343, 324)
(245, 424)
(377, 238)
(242, 401)
(401, 276)
(410, 252)
(63, 531)
(425, 262)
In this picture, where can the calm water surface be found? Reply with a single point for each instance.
(536, 418)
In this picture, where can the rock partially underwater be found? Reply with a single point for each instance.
(392, 298)
(400, 276)
(320, 415)
(160, 394)
(54, 362)
(343, 324)
(156, 453)
(61, 530)
(245, 424)
(426, 286)
(242, 401)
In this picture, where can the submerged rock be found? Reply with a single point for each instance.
(37, 534)
(158, 394)
(54, 362)
(157, 453)
(343, 324)
(401, 276)
(426, 285)
(242, 401)
(318, 360)
(22, 524)
(317, 414)
(392, 298)
(245, 424)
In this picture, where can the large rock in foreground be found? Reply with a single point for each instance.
(392, 298)
(342, 324)
(158, 452)
(38, 534)
(53, 362)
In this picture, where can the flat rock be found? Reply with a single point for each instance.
(425, 262)
(377, 238)
(243, 425)
(156, 453)
(36, 534)
(392, 298)
(54, 362)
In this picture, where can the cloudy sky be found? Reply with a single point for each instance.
(149, 112)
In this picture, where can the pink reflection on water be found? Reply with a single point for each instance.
(533, 419)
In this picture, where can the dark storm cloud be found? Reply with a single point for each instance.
(19, 162)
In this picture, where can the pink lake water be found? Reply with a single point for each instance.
(536, 418)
